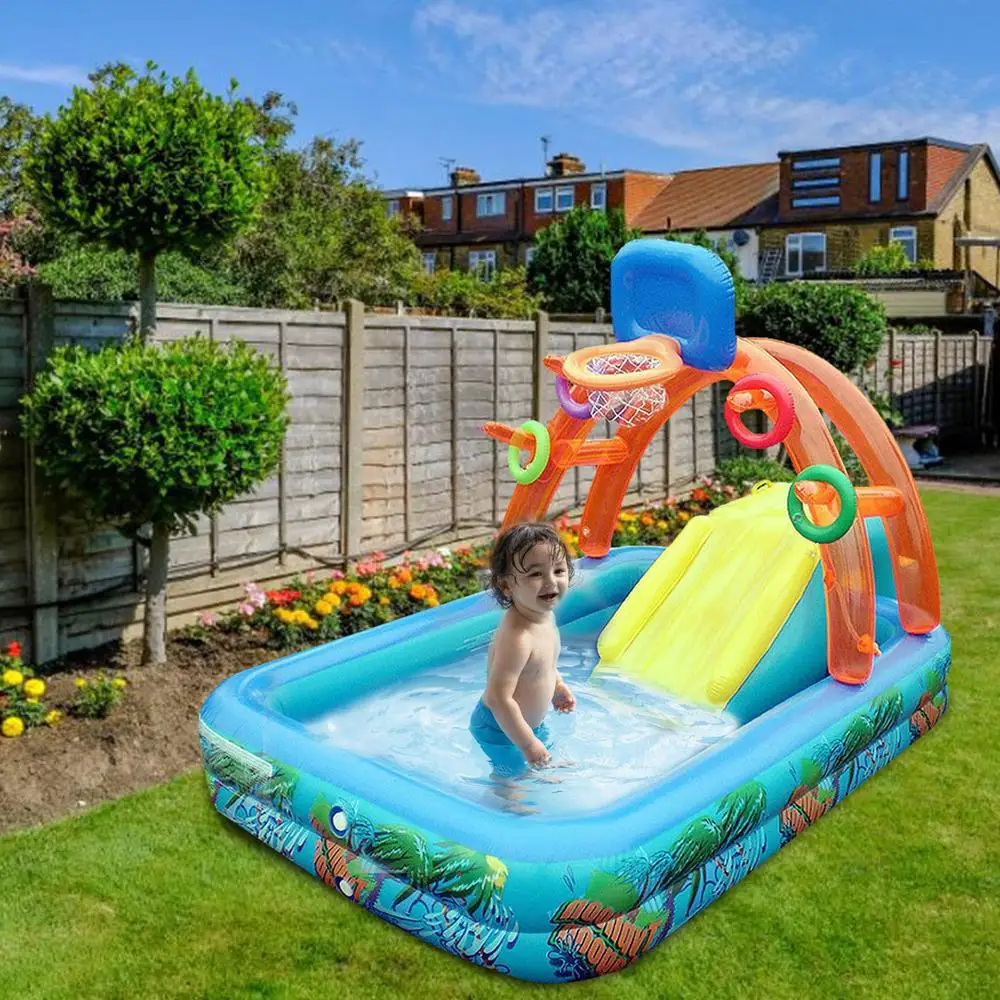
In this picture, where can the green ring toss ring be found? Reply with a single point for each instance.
(823, 535)
(526, 476)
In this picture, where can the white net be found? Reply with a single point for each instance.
(625, 406)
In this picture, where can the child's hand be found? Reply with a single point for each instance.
(536, 754)
(562, 699)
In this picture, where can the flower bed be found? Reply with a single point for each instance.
(318, 608)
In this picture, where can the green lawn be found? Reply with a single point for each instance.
(893, 894)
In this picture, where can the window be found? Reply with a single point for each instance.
(903, 176)
(392, 209)
(599, 196)
(805, 253)
(820, 164)
(491, 203)
(816, 202)
(446, 208)
(529, 256)
(483, 262)
(543, 200)
(906, 237)
(430, 262)
(816, 182)
(564, 199)
(875, 177)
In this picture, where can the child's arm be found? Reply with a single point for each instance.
(562, 698)
(510, 655)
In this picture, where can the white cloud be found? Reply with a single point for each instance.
(66, 76)
(686, 74)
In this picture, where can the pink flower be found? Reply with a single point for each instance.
(206, 618)
(247, 609)
(255, 595)
(337, 574)
(309, 575)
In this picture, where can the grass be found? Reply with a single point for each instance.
(893, 894)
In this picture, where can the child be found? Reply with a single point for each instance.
(530, 572)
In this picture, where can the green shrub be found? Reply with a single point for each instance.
(142, 434)
(745, 470)
(843, 325)
(458, 293)
(98, 274)
(881, 260)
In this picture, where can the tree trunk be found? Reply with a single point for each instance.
(154, 639)
(147, 295)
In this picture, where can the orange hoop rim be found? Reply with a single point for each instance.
(658, 348)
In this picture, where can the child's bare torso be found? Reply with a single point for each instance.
(537, 681)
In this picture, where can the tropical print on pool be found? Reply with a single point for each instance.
(598, 916)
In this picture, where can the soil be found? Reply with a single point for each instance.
(151, 736)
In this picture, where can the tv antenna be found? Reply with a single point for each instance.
(447, 163)
(546, 139)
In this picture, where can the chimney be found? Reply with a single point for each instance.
(461, 176)
(563, 164)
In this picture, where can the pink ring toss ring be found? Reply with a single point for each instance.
(785, 416)
(579, 411)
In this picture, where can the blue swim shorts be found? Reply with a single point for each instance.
(506, 758)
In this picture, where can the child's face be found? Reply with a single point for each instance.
(538, 579)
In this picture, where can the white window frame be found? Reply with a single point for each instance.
(529, 254)
(905, 235)
(793, 243)
(560, 193)
(447, 207)
(429, 261)
(392, 208)
(549, 196)
(491, 203)
(599, 204)
(483, 263)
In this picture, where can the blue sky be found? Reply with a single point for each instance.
(646, 84)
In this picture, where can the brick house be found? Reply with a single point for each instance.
(471, 224)
(835, 204)
(486, 226)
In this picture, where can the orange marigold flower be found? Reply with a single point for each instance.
(355, 600)
(394, 582)
(699, 494)
(432, 601)
(405, 576)
(418, 592)
(338, 587)
(647, 519)
(383, 601)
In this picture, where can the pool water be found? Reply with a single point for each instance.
(621, 738)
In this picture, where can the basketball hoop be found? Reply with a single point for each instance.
(624, 383)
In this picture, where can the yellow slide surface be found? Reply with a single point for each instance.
(707, 610)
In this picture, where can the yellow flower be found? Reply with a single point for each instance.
(12, 726)
(626, 515)
(339, 587)
(394, 582)
(662, 525)
(383, 601)
(683, 515)
(365, 593)
(80, 682)
(432, 602)
(53, 718)
(13, 677)
(283, 615)
(323, 608)
(34, 688)
(310, 623)
(119, 683)
(333, 600)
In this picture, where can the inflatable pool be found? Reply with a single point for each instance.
(732, 688)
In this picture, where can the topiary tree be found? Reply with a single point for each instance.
(844, 325)
(571, 267)
(141, 434)
(147, 164)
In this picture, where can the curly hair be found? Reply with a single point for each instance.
(513, 545)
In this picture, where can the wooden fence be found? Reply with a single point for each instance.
(384, 451)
